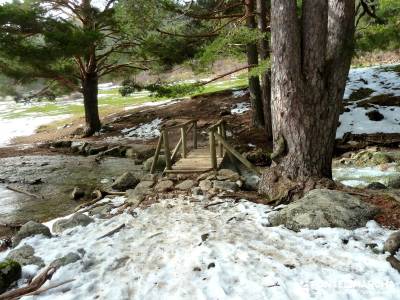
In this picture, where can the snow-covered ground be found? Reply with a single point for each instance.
(362, 176)
(177, 249)
(19, 126)
(240, 108)
(383, 82)
(145, 131)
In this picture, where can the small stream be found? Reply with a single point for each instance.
(53, 179)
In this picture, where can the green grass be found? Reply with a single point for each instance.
(112, 102)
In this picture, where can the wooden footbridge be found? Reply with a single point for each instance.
(196, 159)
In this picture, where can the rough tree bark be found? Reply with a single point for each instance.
(264, 53)
(254, 81)
(89, 75)
(310, 62)
(90, 100)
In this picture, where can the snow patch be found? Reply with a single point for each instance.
(176, 249)
(238, 94)
(240, 108)
(383, 82)
(144, 131)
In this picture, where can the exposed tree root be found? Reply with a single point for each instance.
(280, 189)
(98, 195)
(35, 284)
(56, 285)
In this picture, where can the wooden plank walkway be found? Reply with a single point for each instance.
(197, 160)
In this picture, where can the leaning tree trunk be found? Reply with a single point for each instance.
(254, 81)
(90, 100)
(310, 64)
(266, 76)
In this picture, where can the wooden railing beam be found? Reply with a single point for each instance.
(156, 155)
(183, 145)
(166, 150)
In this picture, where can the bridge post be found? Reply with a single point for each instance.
(166, 150)
(183, 145)
(195, 134)
(213, 150)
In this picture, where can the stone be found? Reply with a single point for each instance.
(30, 228)
(197, 191)
(77, 193)
(25, 255)
(96, 150)
(61, 144)
(76, 146)
(324, 208)
(144, 186)
(227, 174)
(65, 260)
(160, 165)
(379, 158)
(394, 182)
(251, 182)
(185, 185)
(204, 176)
(225, 185)
(375, 115)
(101, 211)
(125, 181)
(77, 219)
(376, 186)
(115, 151)
(164, 186)
(205, 185)
(82, 148)
(10, 271)
(149, 177)
(392, 244)
(135, 197)
(130, 153)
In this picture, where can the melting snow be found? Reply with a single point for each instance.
(144, 131)
(240, 108)
(363, 176)
(176, 249)
(238, 94)
(383, 82)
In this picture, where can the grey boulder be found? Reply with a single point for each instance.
(125, 181)
(392, 244)
(30, 228)
(77, 219)
(25, 255)
(324, 208)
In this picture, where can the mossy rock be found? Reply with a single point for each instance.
(379, 158)
(368, 158)
(159, 166)
(10, 271)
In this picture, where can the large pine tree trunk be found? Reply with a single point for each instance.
(310, 63)
(90, 100)
(266, 77)
(254, 81)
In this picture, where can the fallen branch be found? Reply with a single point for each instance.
(112, 232)
(35, 284)
(215, 203)
(98, 196)
(56, 285)
(23, 192)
